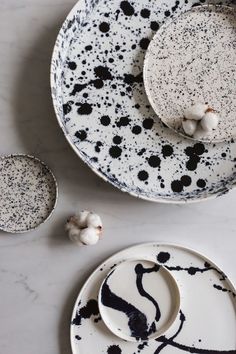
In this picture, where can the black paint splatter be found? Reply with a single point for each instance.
(104, 27)
(154, 26)
(81, 135)
(201, 183)
(154, 161)
(148, 123)
(123, 122)
(136, 129)
(163, 257)
(177, 186)
(145, 13)
(91, 309)
(144, 43)
(105, 120)
(167, 150)
(115, 152)
(103, 72)
(72, 65)
(143, 175)
(114, 349)
(127, 8)
(85, 108)
(67, 107)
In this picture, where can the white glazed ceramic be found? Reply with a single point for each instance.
(193, 59)
(101, 105)
(28, 193)
(139, 300)
(206, 323)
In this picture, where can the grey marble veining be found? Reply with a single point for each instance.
(41, 272)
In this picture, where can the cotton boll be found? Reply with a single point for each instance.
(74, 235)
(200, 133)
(81, 218)
(89, 236)
(94, 220)
(210, 121)
(189, 126)
(196, 111)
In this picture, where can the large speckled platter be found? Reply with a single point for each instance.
(101, 105)
(206, 323)
(191, 60)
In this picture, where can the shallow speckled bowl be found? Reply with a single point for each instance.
(101, 105)
(193, 59)
(28, 193)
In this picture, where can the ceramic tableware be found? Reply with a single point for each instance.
(193, 59)
(102, 107)
(28, 193)
(139, 300)
(206, 322)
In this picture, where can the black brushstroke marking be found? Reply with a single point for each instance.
(137, 320)
(165, 341)
(193, 270)
(170, 341)
(225, 290)
(140, 271)
(89, 310)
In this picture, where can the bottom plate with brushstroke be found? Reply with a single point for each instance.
(205, 324)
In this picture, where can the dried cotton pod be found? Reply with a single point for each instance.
(196, 111)
(189, 126)
(210, 121)
(84, 228)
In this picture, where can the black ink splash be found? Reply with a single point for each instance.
(225, 290)
(91, 309)
(140, 271)
(114, 349)
(137, 320)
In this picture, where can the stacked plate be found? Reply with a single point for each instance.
(102, 107)
(155, 298)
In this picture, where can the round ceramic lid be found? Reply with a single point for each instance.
(28, 193)
(139, 300)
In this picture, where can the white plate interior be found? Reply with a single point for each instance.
(193, 59)
(139, 300)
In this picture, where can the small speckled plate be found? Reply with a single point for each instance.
(206, 320)
(28, 193)
(193, 59)
(139, 300)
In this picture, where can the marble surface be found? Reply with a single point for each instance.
(41, 272)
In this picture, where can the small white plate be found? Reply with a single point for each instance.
(193, 59)
(28, 193)
(139, 300)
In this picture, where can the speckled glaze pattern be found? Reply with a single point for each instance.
(28, 193)
(101, 105)
(191, 60)
(206, 321)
